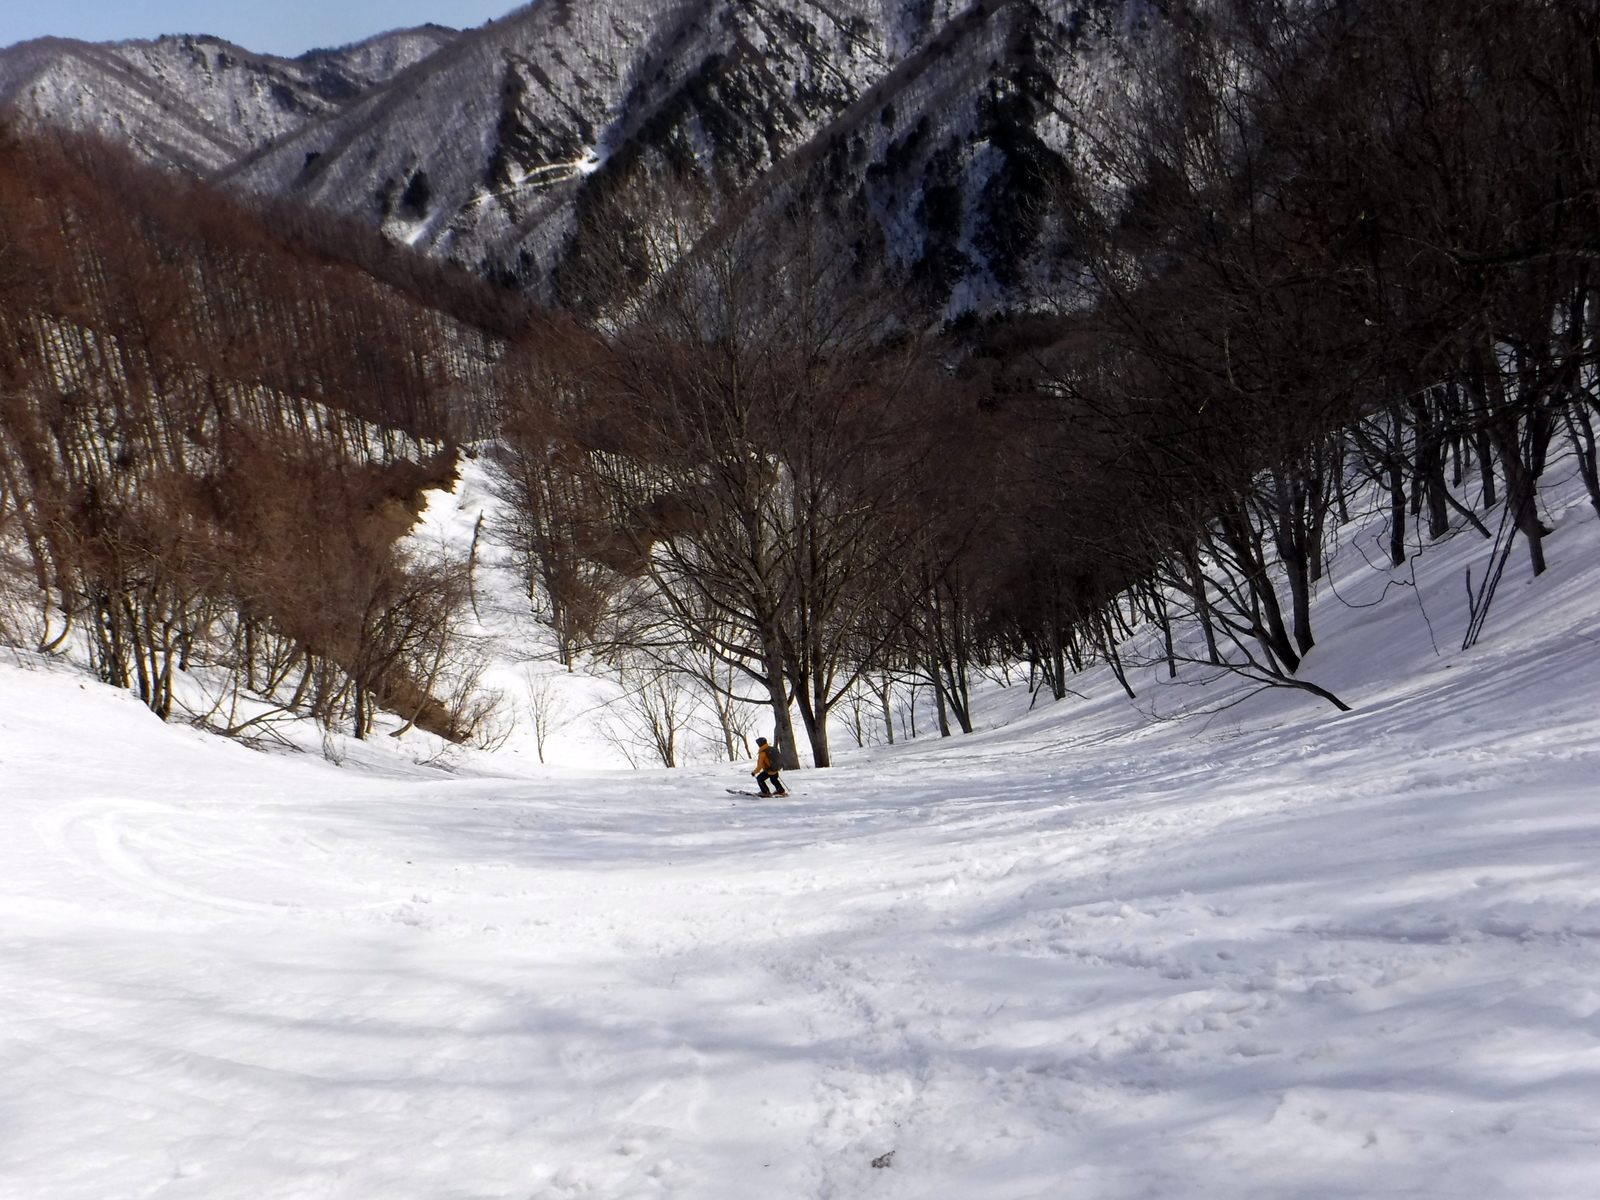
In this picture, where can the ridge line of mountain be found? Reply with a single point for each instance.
(459, 46)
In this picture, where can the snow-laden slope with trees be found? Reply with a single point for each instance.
(1099, 948)
(1326, 430)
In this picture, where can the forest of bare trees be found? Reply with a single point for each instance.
(1334, 259)
(1355, 250)
(213, 440)
(1332, 253)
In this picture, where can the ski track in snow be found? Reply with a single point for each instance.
(1264, 953)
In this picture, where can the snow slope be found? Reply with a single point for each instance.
(1093, 951)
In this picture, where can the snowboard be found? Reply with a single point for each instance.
(754, 795)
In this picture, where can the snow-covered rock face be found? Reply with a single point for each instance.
(932, 133)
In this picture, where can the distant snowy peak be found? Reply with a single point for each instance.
(378, 59)
(196, 103)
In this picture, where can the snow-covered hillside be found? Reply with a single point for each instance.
(196, 104)
(1095, 950)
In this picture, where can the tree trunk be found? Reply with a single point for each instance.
(1202, 603)
(1485, 468)
(1242, 539)
(939, 707)
(782, 722)
(1581, 429)
(1397, 512)
(814, 715)
(1522, 462)
(1158, 609)
(1109, 647)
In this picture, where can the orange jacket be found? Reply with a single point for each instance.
(767, 759)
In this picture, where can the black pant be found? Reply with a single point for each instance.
(761, 782)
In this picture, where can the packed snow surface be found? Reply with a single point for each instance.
(1094, 950)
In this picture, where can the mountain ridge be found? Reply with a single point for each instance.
(494, 148)
(194, 102)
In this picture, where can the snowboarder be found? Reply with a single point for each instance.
(767, 767)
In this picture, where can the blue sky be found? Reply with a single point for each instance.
(286, 27)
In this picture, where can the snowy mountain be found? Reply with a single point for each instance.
(933, 131)
(197, 103)
(922, 121)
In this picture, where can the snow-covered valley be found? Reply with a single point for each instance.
(1094, 950)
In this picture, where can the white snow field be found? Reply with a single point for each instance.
(1092, 951)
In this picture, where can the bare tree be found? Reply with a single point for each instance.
(546, 707)
(752, 432)
(655, 708)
